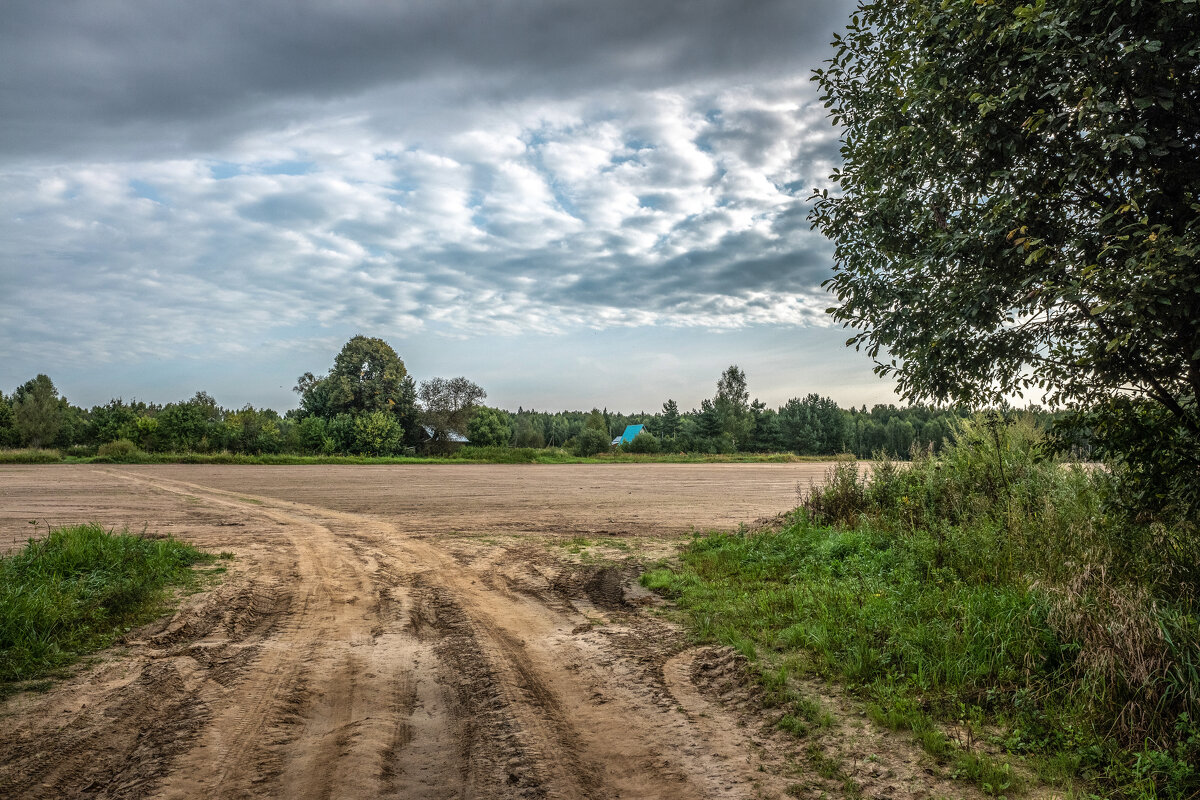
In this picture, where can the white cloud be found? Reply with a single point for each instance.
(652, 208)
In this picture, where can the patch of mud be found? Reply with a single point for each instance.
(606, 587)
(724, 675)
(233, 611)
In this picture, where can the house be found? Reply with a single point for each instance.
(448, 441)
(631, 432)
(448, 435)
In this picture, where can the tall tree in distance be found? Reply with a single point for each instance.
(670, 419)
(732, 405)
(1019, 207)
(37, 411)
(8, 423)
(367, 376)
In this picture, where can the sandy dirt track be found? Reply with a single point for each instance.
(413, 632)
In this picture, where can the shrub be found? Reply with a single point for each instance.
(122, 450)
(643, 443)
(489, 428)
(1115, 597)
(590, 441)
(377, 433)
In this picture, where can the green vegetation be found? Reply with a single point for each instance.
(982, 587)
(1018, 207)
(77, 590)
(368, 406)
(467, 454)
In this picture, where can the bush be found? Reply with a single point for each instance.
(590, 442)
(489, 428)
(1114, 599)
(643, 443)
(377, 433)
(122, 450)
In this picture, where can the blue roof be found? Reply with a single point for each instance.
(631, 431)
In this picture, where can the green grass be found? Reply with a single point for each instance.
(466, 455)
(77, 590)
(947, 596)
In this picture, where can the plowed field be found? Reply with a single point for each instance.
(414, 632)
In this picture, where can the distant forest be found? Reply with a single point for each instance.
(812, 425)
(368, 404)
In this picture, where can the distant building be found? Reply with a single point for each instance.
(447, 442)
(448, 435)
(631, 432)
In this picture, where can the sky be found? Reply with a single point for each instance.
(574, 204)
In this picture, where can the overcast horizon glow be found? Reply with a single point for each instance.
(574, 206)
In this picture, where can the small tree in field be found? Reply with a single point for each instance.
(591, 442)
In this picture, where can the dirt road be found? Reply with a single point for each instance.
(405, 632)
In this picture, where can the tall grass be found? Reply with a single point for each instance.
(30, 456)
(989, 584)
(76, 590)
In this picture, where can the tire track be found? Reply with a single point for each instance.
(563, 725)
(357, 657)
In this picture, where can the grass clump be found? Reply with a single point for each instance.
(985, 589)
(78, 589)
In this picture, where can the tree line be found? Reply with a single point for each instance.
(368, 404)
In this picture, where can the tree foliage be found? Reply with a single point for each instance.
(366, 376)
(489, 428)
(1019, 205)
(591, 441)
(8, 423)
(732, 405)
(447, 404)
(37, 411)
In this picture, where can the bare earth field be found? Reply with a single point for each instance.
(415, 632)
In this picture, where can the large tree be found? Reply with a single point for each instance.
(1019, 206)
(367, 376)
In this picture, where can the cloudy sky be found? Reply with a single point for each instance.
(572, 203)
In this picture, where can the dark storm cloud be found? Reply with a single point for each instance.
(154, 78)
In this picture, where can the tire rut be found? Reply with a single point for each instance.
(368, 661)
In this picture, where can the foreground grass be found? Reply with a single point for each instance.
(77, 590)
(984, 589)
(466, 455)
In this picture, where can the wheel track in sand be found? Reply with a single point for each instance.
(395, 671)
